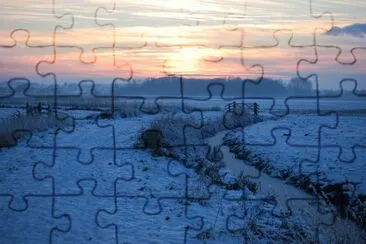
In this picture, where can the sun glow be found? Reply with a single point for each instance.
(184, 61)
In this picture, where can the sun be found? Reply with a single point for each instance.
(189, 58)
(184, 61)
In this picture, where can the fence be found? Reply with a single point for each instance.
(241, 106)
(36, 110)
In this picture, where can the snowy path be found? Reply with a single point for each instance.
(288, 197)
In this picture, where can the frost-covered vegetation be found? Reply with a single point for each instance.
(291, 159)
(19, 123)
(182, 136)
(231, 205)
(179, 131)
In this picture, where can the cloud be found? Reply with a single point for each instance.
(356, 30)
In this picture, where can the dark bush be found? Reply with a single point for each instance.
(106, 115)
(152, 139)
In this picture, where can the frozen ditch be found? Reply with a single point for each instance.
(290, 200)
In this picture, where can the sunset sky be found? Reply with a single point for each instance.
(211, 38)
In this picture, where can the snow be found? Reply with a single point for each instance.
(299, 150)
(7, 112)
(149, 196)
(289, 199)
(147, 203)
(81, 114)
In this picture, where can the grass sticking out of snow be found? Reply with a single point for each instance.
(13, 127)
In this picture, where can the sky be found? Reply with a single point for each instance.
(107, 39)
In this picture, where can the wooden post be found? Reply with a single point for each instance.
(49, 111)
(27, 109)
(39, 109)
(255, 109)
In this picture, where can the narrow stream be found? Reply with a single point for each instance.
(288, 197)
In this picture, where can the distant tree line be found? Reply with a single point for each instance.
(170, 86)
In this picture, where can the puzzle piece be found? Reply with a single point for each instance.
(173, 218)
(82, 214)
(281, 157)
(348, 122)
(326, 61)
(84, 26)
(218, 219)
(288, 17)
(283, 44)
(344, 41)
(343, 188)
(136, 54)
(313, 215)
(14, 91)
(296, 87)
(136, 57)
(15, 166)
(102, 139)
(148, 107)
(103, 169)
(119, 19)
(37, 224)
(243, 24)
(152, 179)
(25, 16)
(64, 136)
(342, 171)
(196, 44)
(20, 51)
(258, 20)
(342, 12)
(294, 122)
(85, 94)
(233, 62)
(67, 68)
(265, 187)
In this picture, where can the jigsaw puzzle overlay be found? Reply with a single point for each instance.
(182, 121)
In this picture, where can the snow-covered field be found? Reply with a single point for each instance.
(295, 142)
(127, 195)
(329, 150)
(71, 185)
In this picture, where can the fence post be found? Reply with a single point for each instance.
(49, 111)
(39, 109)
(27, 109)
(255, 109)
